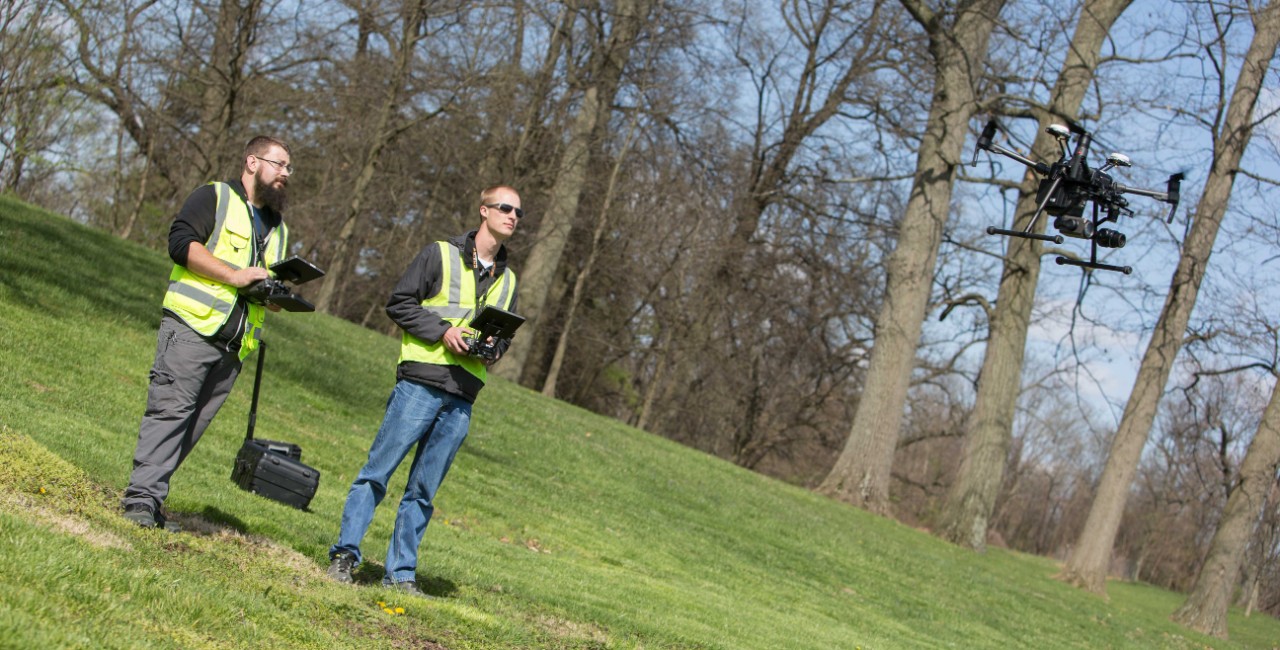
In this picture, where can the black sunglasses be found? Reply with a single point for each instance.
(506, 208)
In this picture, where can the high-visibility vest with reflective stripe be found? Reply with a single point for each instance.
(205, 304)
(456, 303)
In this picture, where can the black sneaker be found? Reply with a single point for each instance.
(142, 515)
(340, 567)
(405, 586)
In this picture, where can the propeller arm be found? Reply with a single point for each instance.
(1172, 194)
(986, 143)
(1155, 194)
(1040, 167)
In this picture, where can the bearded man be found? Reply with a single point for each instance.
(224, 239)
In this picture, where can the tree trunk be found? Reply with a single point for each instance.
(861, 474)
(234, 33)
(1205, 609)
(1087, 565)
(971, 499)
(575, 298)
(553, 234)
(343, 259)
(539, 271)
(109, 87)
(657, 382)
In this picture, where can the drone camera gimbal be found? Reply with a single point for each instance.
(1067, 185)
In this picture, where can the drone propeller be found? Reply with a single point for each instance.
(986, 143)
(984, 140)
(1173, 193)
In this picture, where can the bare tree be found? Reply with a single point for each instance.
(1048, 480)
(1183, 484)
(958, 39)
(32, 103)
(1205, 609)
(776, 216)
(579, 284)
(236, 25)
(388, 123)
(1087, 565)
(602, 77)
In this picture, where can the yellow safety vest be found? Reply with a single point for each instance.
(456, 303)
(205, 304)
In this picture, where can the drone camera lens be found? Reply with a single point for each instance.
(1074, 227)
(1108, 238)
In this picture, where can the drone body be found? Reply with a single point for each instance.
(1068, 185)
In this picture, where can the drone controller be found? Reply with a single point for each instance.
(1067, 185)
(491, 326)
(274, 291)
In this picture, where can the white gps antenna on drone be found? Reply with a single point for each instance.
(1060, 133)
(1117, 160)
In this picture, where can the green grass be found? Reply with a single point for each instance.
(557, 528)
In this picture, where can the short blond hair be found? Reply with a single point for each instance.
(487, 194)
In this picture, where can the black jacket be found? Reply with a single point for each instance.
(421, 281)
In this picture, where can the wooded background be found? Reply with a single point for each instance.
(758, 229)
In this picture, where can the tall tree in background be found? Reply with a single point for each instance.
(31, 98)
(221, 81)
(972, 497)
(1205, 609)
(106, 46)
(388, 123)
(958, 42)
(576, 294)
(1232, 126)
(613, 41)
(779, 238)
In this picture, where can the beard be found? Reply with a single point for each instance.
(273, 198)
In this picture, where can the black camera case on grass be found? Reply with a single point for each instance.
(267, 468)
(272, 468)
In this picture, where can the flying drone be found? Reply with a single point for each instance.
(1067, 185)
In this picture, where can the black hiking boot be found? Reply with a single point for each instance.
(340, 567)
(143, 515)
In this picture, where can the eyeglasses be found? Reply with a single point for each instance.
(277, 163)
(506, 208)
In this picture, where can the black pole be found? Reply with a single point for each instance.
(257, 382)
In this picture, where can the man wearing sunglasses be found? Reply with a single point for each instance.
(223, 239)
(436, 383)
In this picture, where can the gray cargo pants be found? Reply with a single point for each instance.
(190, 379)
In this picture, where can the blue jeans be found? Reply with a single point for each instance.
(437, 421)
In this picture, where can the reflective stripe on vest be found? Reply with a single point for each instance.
(205, 304)
(456, 303)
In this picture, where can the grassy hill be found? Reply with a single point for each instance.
(557, 528)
